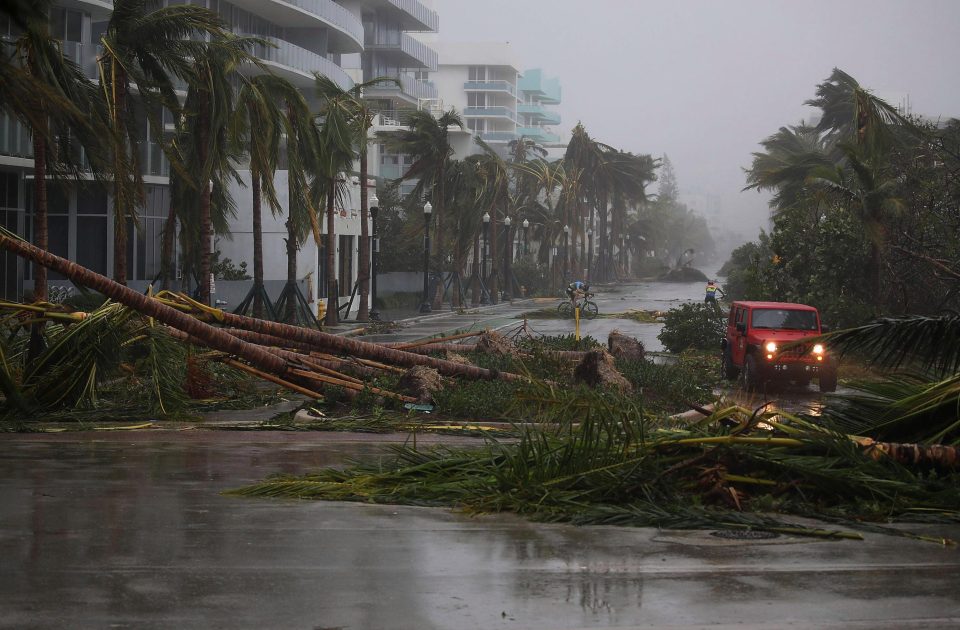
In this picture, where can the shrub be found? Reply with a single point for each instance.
(696, 326)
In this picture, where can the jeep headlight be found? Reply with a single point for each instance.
(771, 346)
(818, 348)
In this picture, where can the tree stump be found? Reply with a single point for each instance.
(421, 382)
(495, 343)
(597, 370)
(624, 347)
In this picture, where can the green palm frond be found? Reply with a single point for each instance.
(932, 343)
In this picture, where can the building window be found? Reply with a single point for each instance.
(476, 99)
(476, 73)
(477, 125)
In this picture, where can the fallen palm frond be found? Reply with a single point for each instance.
(603, 462)
(920, 404)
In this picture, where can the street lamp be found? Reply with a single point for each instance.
(374, 251)
(485, 297)
(427, 210)
(526, 248)
(589, 252)
(508, 241)
(566, 251)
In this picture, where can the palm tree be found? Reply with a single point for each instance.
(209, 107)
(495, 196)
(63, 116)
(361, 115)
(258, 122)
(427, 141)
(846, 157)
(147, 47)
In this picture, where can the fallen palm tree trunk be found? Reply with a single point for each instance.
(209, 335)
(938, 455)
(326, 342)
(273, 379)
(435, 340)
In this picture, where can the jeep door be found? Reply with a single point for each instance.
(738, 334)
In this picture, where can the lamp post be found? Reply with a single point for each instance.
(374, 251)
(484, 296)
(589, 252)
(526, 246)
(566, 252)
(427, 210)
(508, 258)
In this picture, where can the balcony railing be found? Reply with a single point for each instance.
(497, 136)
(490, 86)
(541, 113)
(538, 133)
(301, 60)
(334, 14)
(490, 112)
(414, 89)
(421, 54)
(426, 17)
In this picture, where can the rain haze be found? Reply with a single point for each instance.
(704, 81)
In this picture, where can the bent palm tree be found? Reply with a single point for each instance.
(427, 141)
(147, 47)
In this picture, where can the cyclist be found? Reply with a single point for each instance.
(711, 293)
(576, 290)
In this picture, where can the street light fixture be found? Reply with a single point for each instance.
(427, 210)
(508, 254)
(484, 297)
(526, 248)
(589, 252)
(566, 251)
(374, 251)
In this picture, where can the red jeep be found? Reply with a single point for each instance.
(755, 339)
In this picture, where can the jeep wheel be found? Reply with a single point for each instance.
(751, 376)
(727, 369)
(828, 379)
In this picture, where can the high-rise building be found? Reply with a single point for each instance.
(537, 93)
(345, 40)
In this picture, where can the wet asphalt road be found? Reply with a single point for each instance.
(131, 530)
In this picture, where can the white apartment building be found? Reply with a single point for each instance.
(345, 40)
(479, 80)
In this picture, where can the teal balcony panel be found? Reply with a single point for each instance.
(490, 112)
(538, 134)
(546, 90)
(498, 136)
(490, 86)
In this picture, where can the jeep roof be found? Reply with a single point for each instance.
(792, 306)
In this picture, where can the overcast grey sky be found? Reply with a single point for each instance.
(704, 81)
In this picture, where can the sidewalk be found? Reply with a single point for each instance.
(419, 326)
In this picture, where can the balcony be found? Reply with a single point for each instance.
(345, 30)
(413, 15)
(490, 112)
(84, 55)
(539, 134)
(545, 90)
(498, 136)
(298, 64)
(539, 113)
(411, 90)
(490, 86)
(415, 54)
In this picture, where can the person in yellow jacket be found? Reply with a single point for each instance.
(712, 290)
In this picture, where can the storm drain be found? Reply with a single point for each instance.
(744, 534)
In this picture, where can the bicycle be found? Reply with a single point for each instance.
(588, 308)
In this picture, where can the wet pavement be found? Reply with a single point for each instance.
(132, 531)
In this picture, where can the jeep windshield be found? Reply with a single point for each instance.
(784, 319)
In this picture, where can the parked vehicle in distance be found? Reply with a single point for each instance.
(763, 343)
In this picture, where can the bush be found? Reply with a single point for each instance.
(696, 326)
(531, 276)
